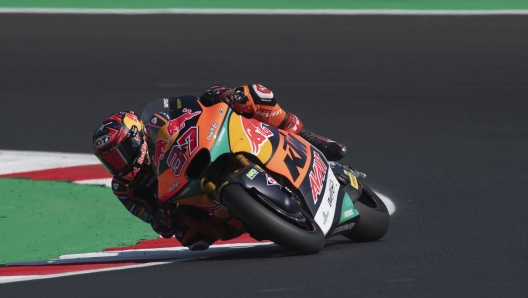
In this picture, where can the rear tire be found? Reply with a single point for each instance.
(258, 219)
(374, 218)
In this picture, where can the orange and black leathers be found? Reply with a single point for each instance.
(138, 193)
(258, 102)
(194, 227)
(197, 228)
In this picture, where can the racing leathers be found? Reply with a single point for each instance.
(196, 228)
(257, 102)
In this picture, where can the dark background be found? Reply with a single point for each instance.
(433, 108)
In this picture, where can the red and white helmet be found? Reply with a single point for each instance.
(119, 143)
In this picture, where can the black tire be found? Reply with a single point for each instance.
(374, 218)
(263, 222)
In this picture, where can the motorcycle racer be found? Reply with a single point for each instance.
(120, 144)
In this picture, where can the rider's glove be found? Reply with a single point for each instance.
(218, 94)
(164, 222)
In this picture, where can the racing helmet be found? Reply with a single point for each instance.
(119, 143)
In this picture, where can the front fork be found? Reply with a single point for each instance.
(212, 184)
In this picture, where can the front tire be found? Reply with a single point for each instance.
(374, 218)
(258, 219)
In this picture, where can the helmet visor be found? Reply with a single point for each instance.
(120, 160)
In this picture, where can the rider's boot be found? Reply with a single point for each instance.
(197, 229)
(332, 150)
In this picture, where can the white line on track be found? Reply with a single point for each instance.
(265, 11)
(105, 182)
(27, 161)
(9, 279)
(171, 255)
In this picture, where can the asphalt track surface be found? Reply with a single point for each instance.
(433, 108)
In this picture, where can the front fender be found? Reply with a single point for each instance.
(253, 177)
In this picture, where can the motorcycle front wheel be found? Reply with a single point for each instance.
(374, 217)
(260, 220)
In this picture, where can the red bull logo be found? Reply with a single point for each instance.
(161, 146)
(257, 133)
(177, 124)
(132, 116)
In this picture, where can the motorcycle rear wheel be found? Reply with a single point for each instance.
(374, 218)
(262, 221)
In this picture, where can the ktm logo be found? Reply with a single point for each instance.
(296, 157)
(257, 133)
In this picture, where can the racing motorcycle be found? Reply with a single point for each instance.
(263, 180)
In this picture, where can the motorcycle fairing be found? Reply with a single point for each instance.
(292, 157)
(253, 137)
(173, 130)
(348, 211)
(280, 152)
(255, 178)
(327, 207)
(220, 147)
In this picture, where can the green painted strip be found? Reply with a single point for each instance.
(347, 210)
(274, 4)
(42, 220)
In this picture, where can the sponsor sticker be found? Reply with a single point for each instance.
(353, 181)
(220, 136)
(143, 153)
(212, 129)
(251, 174)
(133, 173)
(317, 176)
(101, 127)
(332, 190)
(151, 181)
(178, 123)
(115, 185)
(264, 93)
(183, 192)
(102, 141)
(267, 114)
(256, 132)
(270, 181)
(325, 215)
(348, 213)
(178, 103)
(174, 186)
(344, 227)
(161, 146)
